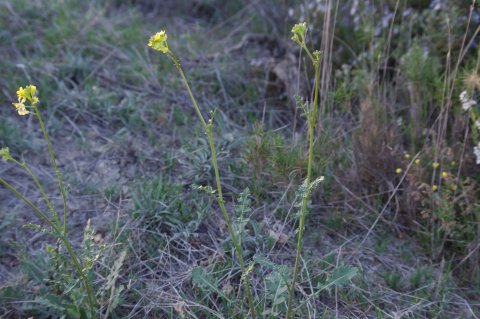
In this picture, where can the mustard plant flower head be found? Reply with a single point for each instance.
(27, 94)
(159, 42)
(299, 31)
(398, 171)
(453, 163)
(444, 174)
(21, 108)
(5, 154)
(434, 188)
(22, 95)
(406, 155)
(417, 161)
(435, 164)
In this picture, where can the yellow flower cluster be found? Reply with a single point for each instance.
(299, 30)
(159, 42)
(5, 154)
(29, 93)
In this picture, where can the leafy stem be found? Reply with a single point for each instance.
(24, 166)
(312, 121)
(59, 233)
(208, 128)
(57, 172)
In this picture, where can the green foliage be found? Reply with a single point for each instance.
(276, 285)
(242, 209)
(51, 282)
(341, 276)
(275, 162)
(393, 280)
(396, 86)
(205, 282)
(12, 135)
(163, 207)
(421, 277)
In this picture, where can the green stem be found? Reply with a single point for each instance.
(57, 172)
(58, 232)
(236, 244)
(303, 46)
(86, 283)
(40, 188)
(208, 131)
(192, 98)
(29, 203)
(312, 119)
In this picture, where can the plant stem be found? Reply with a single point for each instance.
(192, 98)
(86, 283)
(219, 197)
(312, 119)
(57, 172)
(91, 298)
(236, 244)
(42, 191)
(29, 203)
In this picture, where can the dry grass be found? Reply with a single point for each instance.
(129, 150)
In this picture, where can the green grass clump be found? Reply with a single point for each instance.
(166, 209)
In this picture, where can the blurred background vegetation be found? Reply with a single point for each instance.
(400, 199)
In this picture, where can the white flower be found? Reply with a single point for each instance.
(476, 151)
(467, 105)
(466, 102)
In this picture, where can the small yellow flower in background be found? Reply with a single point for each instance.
(434, 188)
(417, 161)
(444, 174)
(435, 164)
(407, 156)
(453, 163)
(398, 171)
(5, 154)
(159, 42)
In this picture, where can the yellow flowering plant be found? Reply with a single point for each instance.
(28, 102)
(284, 299)
(310, 110)
(159, 43)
